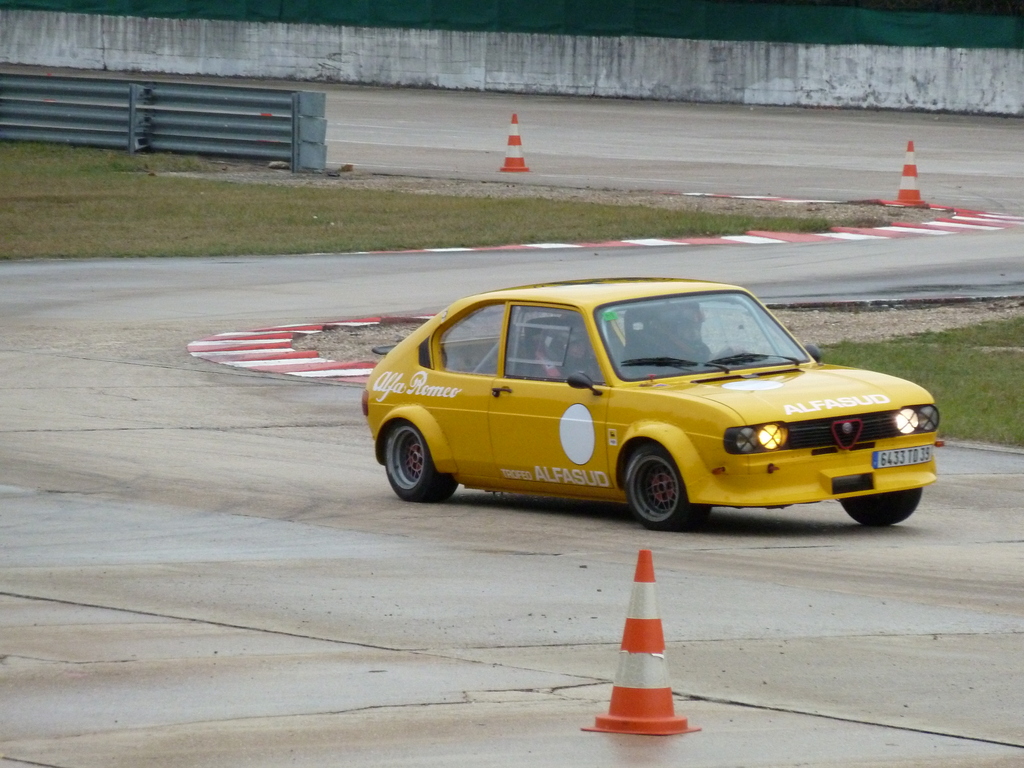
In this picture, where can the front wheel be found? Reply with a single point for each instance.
(410, 468)
(656, 494)
(881, 509)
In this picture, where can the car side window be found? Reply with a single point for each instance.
(471, 344)
(546, 343)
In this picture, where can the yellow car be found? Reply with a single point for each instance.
(673, 396)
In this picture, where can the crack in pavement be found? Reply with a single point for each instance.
(842, 719)
(208, 622)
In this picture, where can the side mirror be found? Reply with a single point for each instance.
(580, 380)
(814, 351)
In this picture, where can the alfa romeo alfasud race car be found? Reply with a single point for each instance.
(673, 396)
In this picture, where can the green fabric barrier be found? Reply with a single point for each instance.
(171, 8)
(480, 16)
(778, 24)
(401, 13)
(941, 30)
(728, 21)
(540, 16)
(601, 17)
(687, 19)
(837, 23)
(63, 6)
(336, 12)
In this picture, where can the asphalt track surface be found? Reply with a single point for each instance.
(828, 154)
(203, 566)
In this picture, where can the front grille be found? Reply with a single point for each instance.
(817, 433)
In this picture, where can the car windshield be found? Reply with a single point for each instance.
(693, 333)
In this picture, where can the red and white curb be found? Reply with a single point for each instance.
(960, 221)
(269, 350)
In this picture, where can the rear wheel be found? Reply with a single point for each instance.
(410, 468)
(881, 509)
(656, 494)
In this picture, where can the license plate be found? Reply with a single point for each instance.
(901, 457)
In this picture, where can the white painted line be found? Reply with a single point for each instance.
(288, 361)
(651, 241)
(336, 372)
(752, 239)
(1002, 216)
(958, 225)
(248, 334)
(919, 230)
(282, 328)
(853, 236)
(239, 342)
(551, 245)
(988, 220)
(218, 353)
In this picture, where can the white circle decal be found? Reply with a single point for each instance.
(752, 385)
(576, 429)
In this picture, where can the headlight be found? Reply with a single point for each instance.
(927, 418)
(755, 439)
(917, 418)
(906, 421)
(744, 441)
(771, 436)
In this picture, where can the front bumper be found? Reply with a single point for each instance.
(804, 476)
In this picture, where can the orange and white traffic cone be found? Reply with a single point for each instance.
(909, 194)
(642, 697)
(514, 154)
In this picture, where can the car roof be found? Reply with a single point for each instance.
(594, 292)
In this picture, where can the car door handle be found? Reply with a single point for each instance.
(496, 391)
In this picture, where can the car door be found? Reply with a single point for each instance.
(467, 352)
(546, 436)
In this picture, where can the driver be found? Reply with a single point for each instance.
(679, 330)
(579, 355)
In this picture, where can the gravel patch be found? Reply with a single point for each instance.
(865, 323)
(354, 343)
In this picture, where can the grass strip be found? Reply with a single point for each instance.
(69, 202)
(975, 374)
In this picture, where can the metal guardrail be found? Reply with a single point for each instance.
(216, 120)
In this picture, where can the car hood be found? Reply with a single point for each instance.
(809, 394)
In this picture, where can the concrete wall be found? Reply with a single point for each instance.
(989, 81)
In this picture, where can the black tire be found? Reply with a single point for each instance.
(881, 509)
(410, 467)
(656, 493)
